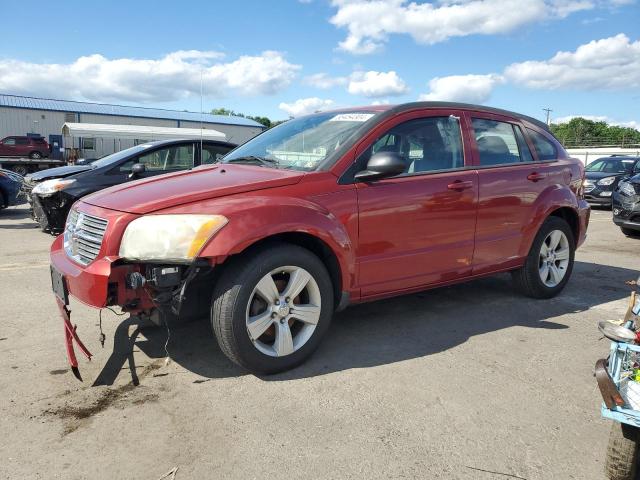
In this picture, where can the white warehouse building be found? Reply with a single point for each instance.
(22, 116)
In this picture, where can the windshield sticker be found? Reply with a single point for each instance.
(351, 117)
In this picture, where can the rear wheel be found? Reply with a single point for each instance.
(622, 452)
(271, 308)
(550, 261)
(35, 155)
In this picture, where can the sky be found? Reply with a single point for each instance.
(287, 58)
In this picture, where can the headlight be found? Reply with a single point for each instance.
(626, 188)
(168, 237)
(51, 186)
(607, 181)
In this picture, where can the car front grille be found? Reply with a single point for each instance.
(83, 236)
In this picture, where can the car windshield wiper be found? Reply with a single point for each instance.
(269, 162)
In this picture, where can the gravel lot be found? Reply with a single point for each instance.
(471, 381)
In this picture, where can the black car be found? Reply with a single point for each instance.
(52, 192)
(602, 177)
(626, 206)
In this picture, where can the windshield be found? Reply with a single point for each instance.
(302, 143)
(612, 165)
(122, 154)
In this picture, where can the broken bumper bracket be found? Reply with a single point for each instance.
(70, 336)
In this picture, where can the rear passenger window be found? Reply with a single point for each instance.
(497, 144)
(425, 144)
(545, 149)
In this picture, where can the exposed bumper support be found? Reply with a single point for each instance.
(70, 336)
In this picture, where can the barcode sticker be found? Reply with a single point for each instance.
(351, 117)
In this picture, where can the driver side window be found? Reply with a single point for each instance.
(425, 144)
(176, 157)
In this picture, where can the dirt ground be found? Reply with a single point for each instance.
(466, 382)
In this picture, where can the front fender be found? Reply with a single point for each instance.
(255, 218)
(552, 198)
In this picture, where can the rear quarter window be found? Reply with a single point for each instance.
(545, 149)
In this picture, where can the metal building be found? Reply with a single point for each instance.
(42, 116)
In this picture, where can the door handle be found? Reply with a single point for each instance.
(535, 176)
(459, 185)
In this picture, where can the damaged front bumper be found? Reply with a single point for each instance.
(51, 211)
(98, 285)
(139, 289)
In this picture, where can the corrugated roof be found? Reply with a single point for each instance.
(35, 103)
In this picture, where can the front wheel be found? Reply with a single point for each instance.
(35, 155)
(622, 452)
(550, 261)
(271, 308)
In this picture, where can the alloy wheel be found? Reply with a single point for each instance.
(554, 258)
(283, 311)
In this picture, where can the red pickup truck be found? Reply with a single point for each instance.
(327, 210)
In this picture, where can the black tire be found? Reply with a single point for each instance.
(35, 155)
(232, 295)
(527, 278)
(629, 232)
(3, 200)
(622, 452)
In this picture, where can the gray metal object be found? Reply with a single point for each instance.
(283, 311)
(554, 258)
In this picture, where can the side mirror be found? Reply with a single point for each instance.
(382, 165)
(137, 169)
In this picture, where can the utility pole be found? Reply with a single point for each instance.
(548, 110)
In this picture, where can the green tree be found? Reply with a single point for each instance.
(266, 121)
(584, 132)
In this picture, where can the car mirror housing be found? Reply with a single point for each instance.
(382, 165)
(137, 169)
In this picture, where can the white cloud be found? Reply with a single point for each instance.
(304, 106)
(600, 118)
(462, 88)
(172, 77)
(610, 63)
(376, 84)
(370, 22)
(324, 81)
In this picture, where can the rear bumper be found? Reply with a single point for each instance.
(584, 213)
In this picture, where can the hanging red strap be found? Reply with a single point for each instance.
(70, 335)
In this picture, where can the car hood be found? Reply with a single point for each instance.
(58, 172)
(165, 191)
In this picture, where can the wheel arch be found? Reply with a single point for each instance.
(310, 242)
(557, 201)
(570, 216)
(315, 229)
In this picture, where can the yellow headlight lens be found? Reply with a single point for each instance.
(169, 237)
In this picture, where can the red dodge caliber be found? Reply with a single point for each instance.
(323, 211)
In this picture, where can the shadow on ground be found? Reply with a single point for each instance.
(19, 213)
(387, 331)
